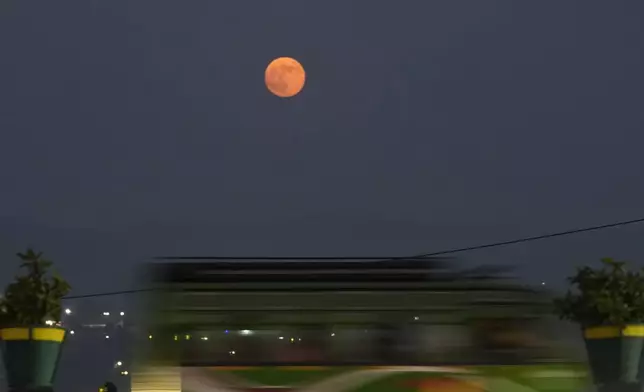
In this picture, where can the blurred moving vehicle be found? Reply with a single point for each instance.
(346, 325)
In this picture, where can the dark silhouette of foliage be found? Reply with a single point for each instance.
(108, 387)
(609, 295)
(35, 297)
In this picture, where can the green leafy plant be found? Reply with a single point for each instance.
(609, 295)
(108, 387)
(34, 298)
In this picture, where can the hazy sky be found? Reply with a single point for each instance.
(137, 128)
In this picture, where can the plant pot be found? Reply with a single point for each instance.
(31, 356)
(615, 354)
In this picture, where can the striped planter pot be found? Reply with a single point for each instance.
(615, 354)
(31, 356)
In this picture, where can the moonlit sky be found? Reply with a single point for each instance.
(132, 129)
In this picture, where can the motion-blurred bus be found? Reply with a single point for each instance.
(346, 326)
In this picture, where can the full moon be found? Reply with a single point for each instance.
(285, 77)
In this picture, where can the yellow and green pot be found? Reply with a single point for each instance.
(31, 356)
(615, 354)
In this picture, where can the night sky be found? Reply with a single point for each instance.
(133, 129)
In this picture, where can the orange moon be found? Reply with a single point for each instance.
(285, 77)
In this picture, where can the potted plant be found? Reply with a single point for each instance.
(30, 312)
(108, 387)
(608, 303)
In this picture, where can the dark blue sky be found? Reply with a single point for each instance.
(137, 128)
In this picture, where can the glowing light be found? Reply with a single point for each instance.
(122, 313)
(106, 313)
(149, 336)
(71, 332)
(119, 363)
(292, 340)
(68, 311)
(333, 334)
(416, 318)
(281, 338)
(246, 332)
(49, 322)
(125, 372)
(285, 77)
(232, 353)
(107, 336)
(204, 338)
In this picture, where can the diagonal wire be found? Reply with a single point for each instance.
(419, 256)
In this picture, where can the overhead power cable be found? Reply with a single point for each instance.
(419, 256)
(107, 293)
(528, 239)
